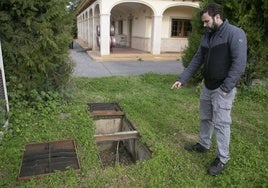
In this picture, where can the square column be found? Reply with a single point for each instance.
(105, 34)
(156, 35)
(94, 33)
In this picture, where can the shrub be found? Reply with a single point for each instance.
(35, 35)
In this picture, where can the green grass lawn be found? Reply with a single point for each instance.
(166, 119)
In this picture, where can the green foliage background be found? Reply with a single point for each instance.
(252, 17)
(35, 35)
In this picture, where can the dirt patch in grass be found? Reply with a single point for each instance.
(189, 137)
(183, 138)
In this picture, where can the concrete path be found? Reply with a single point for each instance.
(85, 67)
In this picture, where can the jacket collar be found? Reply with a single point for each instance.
(223, 25)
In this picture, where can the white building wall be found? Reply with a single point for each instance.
(142, 24)
(178, 12)
(142, 29)
(173, 44)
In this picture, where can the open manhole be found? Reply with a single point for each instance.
(105, 109)
(44, 158)
(117, 139)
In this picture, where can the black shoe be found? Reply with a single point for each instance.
(197, 148)
(216, 167)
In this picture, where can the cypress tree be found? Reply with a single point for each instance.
(35, 35)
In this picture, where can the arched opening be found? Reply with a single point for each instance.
(133, 25)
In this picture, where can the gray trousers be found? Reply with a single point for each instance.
(215, 114)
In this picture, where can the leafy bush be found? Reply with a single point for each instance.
(194, 41)
(35, 35)
(256, 92)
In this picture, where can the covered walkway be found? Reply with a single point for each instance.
(128, 54)
(156, 27)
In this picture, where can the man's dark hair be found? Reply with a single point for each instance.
(212, 9)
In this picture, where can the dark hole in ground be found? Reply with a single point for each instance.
(118, 154)
(117, 139)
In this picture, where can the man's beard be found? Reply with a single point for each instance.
(212, 29)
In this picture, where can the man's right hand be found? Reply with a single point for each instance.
(176, 85)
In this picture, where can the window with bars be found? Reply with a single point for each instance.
(180, 28)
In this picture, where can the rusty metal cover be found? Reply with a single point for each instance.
(44, 158)
(105, 109)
